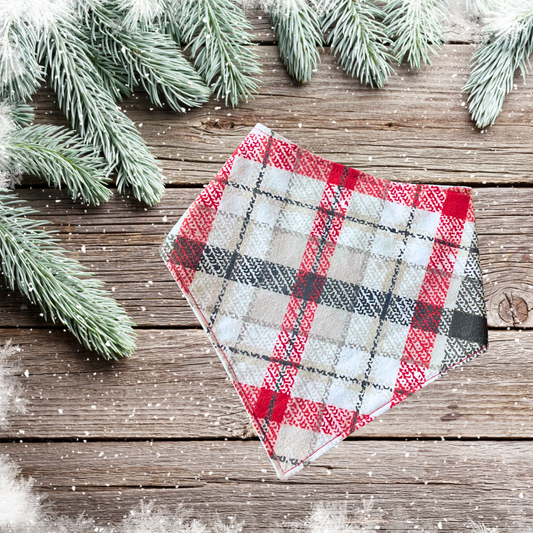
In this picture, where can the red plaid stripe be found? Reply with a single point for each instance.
(290, 345)
(281, 398)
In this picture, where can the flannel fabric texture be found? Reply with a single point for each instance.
(329, 295)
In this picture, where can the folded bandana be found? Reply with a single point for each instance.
(329, 295)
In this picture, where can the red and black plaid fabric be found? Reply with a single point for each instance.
(328, 294)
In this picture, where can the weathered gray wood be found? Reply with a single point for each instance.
(423, 482)
(460, 25)
(126, 256)
(174, 387)
(416, 129)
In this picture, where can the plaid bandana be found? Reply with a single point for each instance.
(329, 295)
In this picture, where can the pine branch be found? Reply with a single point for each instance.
(149, 58)
(297, 29)
(22, 114)
(141, 13)
(114, 81)
(507, 47)
(20, 72)
(359, 38)
(94, 114)
(414, 26)
(61, 158)
(34, 262)
(217, 33)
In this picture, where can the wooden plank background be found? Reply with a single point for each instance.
(166, 423)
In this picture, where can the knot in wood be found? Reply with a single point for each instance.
(513, 309)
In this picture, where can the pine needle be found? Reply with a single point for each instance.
(217, 33)
(20, 72)
(61, 158)
(297, 28)
(359, 39)
(94, 114)
(148, 58)
(414, 26)
(506, 48)
(34, 262)
(22, 114)
(140, 13)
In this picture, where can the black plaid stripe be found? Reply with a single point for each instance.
(426, 317)
(187, 253)
(308, 286)
(334, 293)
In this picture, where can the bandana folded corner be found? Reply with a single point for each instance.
(329, 295)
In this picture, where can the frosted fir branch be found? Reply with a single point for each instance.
(218, 35)
(21, 113)
(506, 48)
(20, 72)
(297, 28)
(148, 58)
(50, 152)
(359, 38)
(143, 13)
(416, 29)
(9, 176)
(482, 7)
(94, 114)
(61, 158)
(35, 264)
(21, 25)
(11, 396)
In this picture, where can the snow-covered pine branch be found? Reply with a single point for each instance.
(297, 29)
(506, 48)
(416, 29)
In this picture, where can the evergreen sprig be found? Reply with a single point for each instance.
(359, 38)
(22, 114)
(148, 58)
(416, 29)
(34, 262)
(297, 28)
(20, 72)
(217, 33)
(506, 48)
(94, 114)
(60, 157)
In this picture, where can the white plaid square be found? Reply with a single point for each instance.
(328, 294)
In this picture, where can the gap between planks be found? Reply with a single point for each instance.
(174, 387)
(123, 236)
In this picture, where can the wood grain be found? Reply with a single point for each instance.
(181, 432)
(424, 482)
(122, 239)
(174, 387)
(459, 26)
(416, 129)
